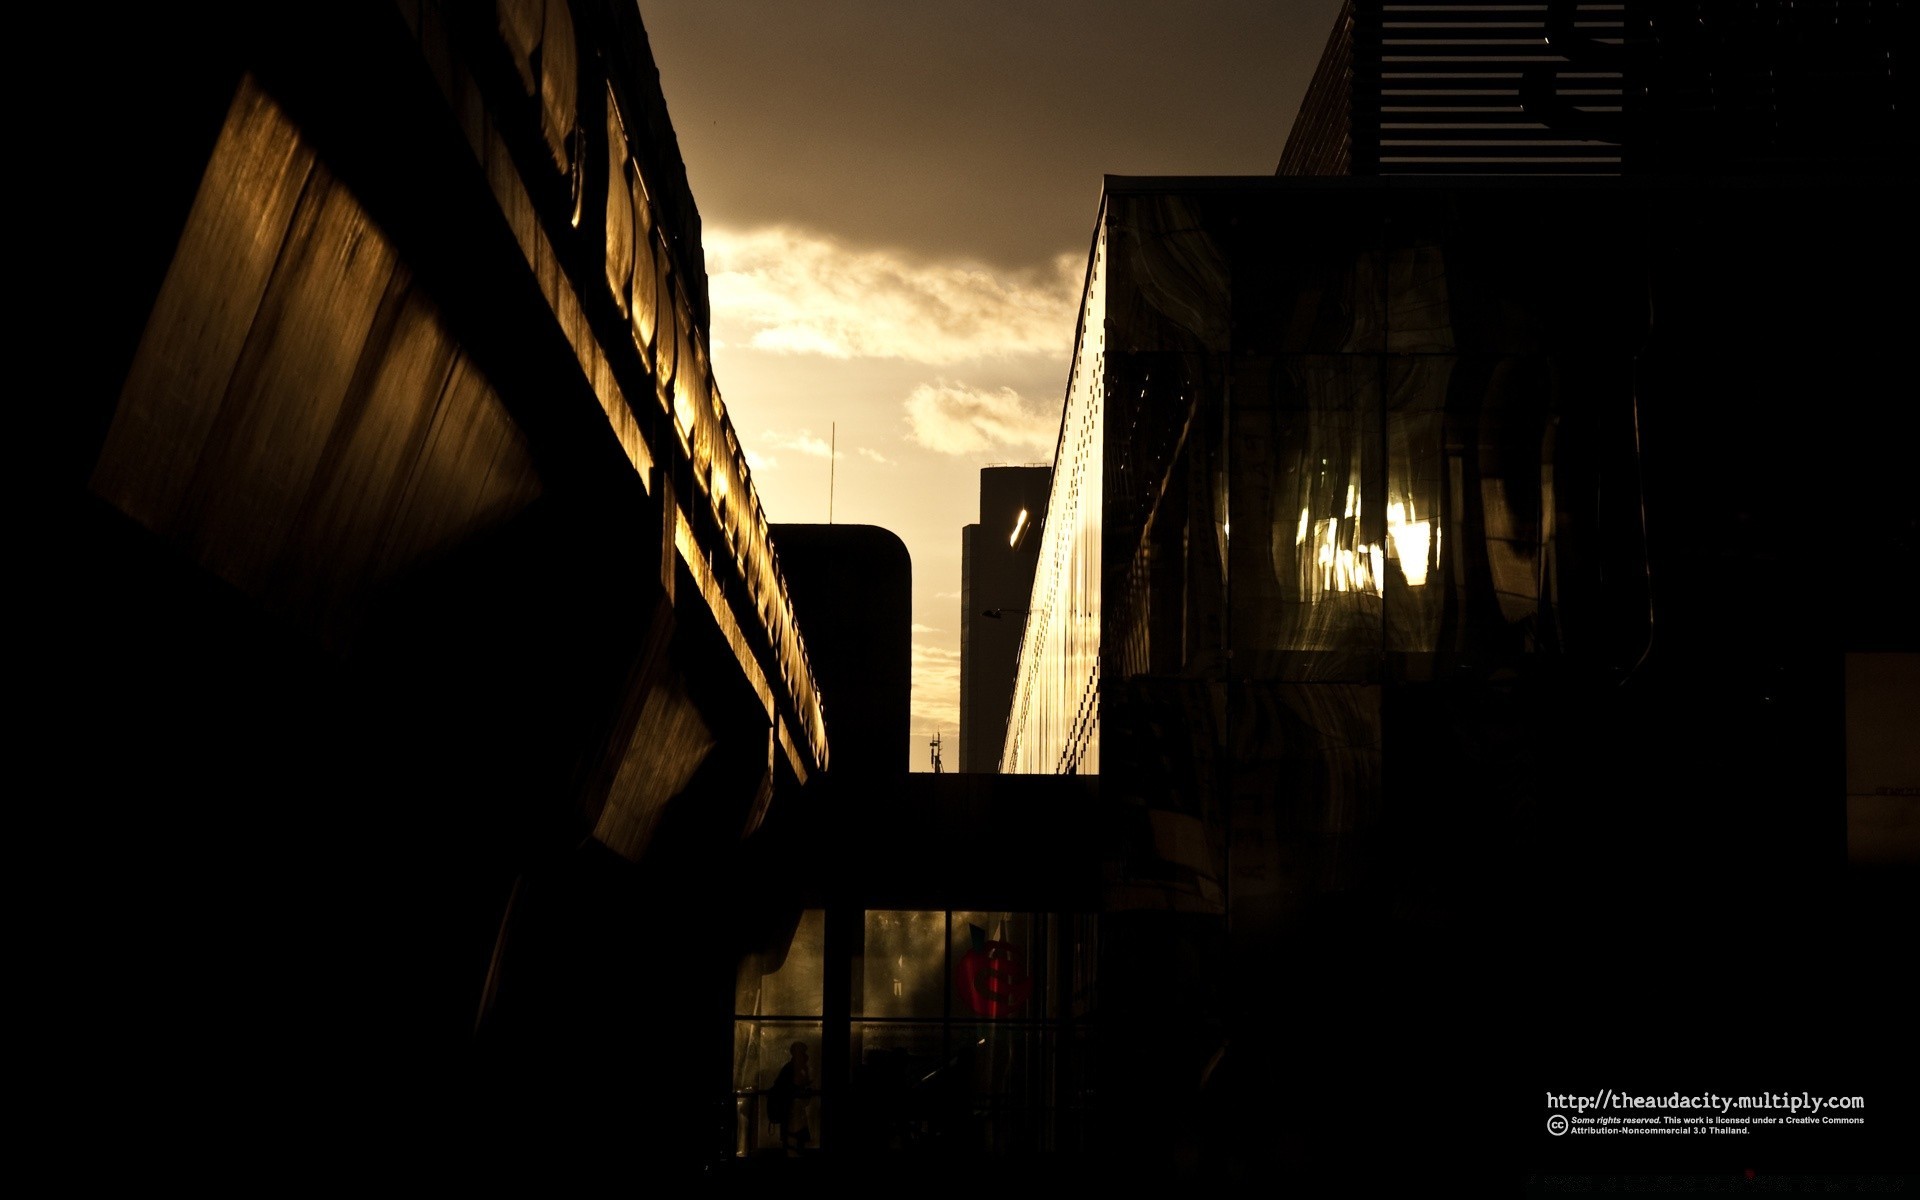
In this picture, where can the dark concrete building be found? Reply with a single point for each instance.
(853, 594)
(997, 557)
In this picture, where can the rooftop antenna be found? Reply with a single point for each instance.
(833, 462)
(934, 747)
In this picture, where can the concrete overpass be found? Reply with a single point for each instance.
(423, 658)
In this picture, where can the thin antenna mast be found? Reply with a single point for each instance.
(833, 464)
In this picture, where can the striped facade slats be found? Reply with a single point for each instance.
(1764, 87)
(1488, 88)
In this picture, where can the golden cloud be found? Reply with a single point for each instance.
(936, 691)
(953, 418)
(789, 291)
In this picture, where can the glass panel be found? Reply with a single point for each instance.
(1001, 965)
(902, 965)
(692, 405)
(1416, 581)
(787, 981)
(1471, 504)
(1419, 305)
(984, 1079)
(901, 1088)
(965, 1088)
(619, 210)
(761, 1050)
(559, 83)
(646, 274)
(1879, 703)
(1306, 550)
(1008, 1083)
(666, 347)
(539, 38)
(1073, 1070)
(686, 412)
(522, 24)
(1086, 955)
(1513, 413)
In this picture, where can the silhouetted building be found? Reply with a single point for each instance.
(1409, 573)
(852, 589)
(997, 556)
(1403, 579)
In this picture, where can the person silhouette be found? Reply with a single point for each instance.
(787, 1100)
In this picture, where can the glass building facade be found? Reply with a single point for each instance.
(1337, 466)
(1419, 548)
(965, 1034)
(1054, 724)
(1317, 442)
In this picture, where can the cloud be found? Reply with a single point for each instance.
(789, 291)
(759, 462)
(936, 693)
(953, 418)
(919, 628)
(803, 442)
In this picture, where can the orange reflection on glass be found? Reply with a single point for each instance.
(1409, 542)
(1337, 560)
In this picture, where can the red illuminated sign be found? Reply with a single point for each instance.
(991, 978)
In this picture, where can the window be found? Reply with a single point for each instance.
(961, 1021)
(777, 1002)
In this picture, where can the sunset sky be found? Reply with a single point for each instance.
(898, 201)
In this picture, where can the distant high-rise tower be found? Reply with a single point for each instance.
(997, 557)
